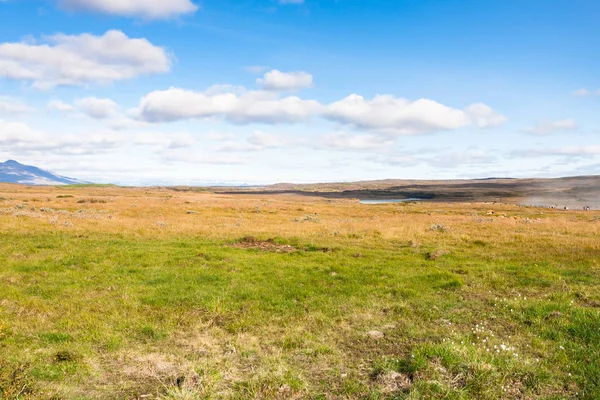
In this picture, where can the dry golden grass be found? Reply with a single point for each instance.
(160, 212)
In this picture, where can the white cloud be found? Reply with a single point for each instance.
(256, 69)
(547, 127)
(120, 122)
(346, 141)
(15, 134)
(581, 92)
(577, 151)
(180, 140)
(569, 152)
(227, 159)
(168, 141)
(455, 159)
(277, 80)
(58, 105)
(234, 146)
(97, 108)
(341, 141)
(151, 139)
(9, 106)
(484, 116)
(401, 160)
(382, 115)
(268, 140)
(252, 106)
(82, 59)
(258, 141)
(148, 9)
(391, 115)
(21, 139)
(439, 158)
(218, 136)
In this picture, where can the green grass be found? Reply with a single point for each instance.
(79, 316)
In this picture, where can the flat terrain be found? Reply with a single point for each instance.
(574, 192)
(115, 293)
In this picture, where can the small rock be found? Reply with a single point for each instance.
(376, 334)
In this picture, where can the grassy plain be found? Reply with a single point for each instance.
(117, 293)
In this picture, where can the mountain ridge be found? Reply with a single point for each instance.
(12, 171)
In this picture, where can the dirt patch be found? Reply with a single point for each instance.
(394, 382)
(250, 242)
(376, 334)
(434, 255)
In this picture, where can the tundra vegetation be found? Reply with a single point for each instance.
(151, 293)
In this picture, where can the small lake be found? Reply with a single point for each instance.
(388, 201)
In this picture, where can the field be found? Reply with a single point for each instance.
(572, 192)
(151, 293)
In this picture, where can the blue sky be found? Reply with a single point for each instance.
(188, 92)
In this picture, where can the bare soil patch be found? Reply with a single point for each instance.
(250, 242)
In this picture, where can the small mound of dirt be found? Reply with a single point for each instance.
(250, 242)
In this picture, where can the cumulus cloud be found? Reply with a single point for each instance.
(383, 115)
(147, 9)
(281, 81)
(58, 105)
(9, 106)
(21, 139)
(97, 108)
(252, 106)
(75, 60)
(484, 116)
(548, 127)
(106, 110)
(391, 115)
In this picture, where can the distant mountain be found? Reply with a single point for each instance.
(14, 172)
